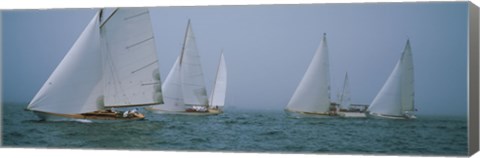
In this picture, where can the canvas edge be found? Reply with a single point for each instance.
(473, 76)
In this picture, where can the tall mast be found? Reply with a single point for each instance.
(184, 41)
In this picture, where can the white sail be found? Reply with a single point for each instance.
(113, 64)
(397, 94)
(172, 90)
(408, 91)
(313, 92)
(75, 84)
(345, 99)
(184, 85)
(220, 86)
(193, 84)
(130, 61)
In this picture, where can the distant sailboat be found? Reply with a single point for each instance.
(217, 97)
(112, 64)
(345, 106)
(312, 95)
(184, 89)
(396, 98)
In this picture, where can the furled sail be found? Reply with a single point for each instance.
(220, 86)
(130, 65)
(75, 85)
(397, 94)
(313, 92)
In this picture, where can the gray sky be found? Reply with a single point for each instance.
(268, 48)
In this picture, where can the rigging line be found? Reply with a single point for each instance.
(115, 76)
(143, 67)
(192, 84)
(146, 84)
(115, 79)
(195, 74)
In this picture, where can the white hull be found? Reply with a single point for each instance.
(299, 114)
(352, 114)
(380, 116)
(210, 112)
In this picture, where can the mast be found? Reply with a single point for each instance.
(108, 18)
(184, 42)
(100, 16)
(344, 98)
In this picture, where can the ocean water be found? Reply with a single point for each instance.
(239, 130)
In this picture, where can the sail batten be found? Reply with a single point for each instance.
(143, 67)
(136, 15)
(140, 42)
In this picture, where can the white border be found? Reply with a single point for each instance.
(48, 4)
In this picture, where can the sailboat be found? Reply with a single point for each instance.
(312, 96)
(345, 99)
(184, 88)
(112, 64)
(217, 97)
(345, 109)
(396, 98)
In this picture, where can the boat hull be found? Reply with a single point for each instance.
(89, 117)
(301, 114)
(381, 116)
(352, 114)
(209, 112)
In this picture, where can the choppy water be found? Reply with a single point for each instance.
(242, 130)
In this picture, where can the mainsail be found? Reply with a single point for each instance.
(313, 92)
(397, 94)
(185, 85)
(191, 72)
(107, 66)
(220, 86)
(130, 63)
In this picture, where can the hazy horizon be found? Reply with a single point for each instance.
(269, 47)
